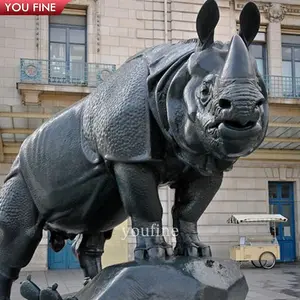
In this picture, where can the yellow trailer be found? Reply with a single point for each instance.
(262, 251)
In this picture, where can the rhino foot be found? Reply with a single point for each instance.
(189, 245)
(152, 247)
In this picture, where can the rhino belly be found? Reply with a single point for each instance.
(99, 210)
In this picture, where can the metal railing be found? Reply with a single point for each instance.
(283, 87)
(88, 74)
(63, 73)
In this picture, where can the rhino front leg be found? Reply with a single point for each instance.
(138, 187)
(191, 199)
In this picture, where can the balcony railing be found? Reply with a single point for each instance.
(63, 73)
(283, 86)
(87, 74)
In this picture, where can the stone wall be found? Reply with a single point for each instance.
(17, 39)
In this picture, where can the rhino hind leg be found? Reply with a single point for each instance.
(89, 248)
(138, 188)
(21, 231)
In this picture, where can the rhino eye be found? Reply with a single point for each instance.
(205, 89)
(203, 92)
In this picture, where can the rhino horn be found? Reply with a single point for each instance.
(238, 62)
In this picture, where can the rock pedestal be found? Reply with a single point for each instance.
(179, 278)
(175, 279)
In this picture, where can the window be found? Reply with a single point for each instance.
(291, 65)
(259, 52)
(67, 49)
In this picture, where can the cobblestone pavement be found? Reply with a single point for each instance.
(280, 283)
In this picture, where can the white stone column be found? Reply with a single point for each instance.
(274, 49)
(44, 38)
(275, 14)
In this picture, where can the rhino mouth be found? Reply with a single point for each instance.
(235, 125)
(234, 130)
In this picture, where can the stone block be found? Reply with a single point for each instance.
(131, 51)
(189, 35)
(186, 26)
(257, 195)
(14, 43)
(159, 34)
(119, 31)
(121, 51)
(132, 14)
(223, 207)
(111, 3)
(116, 12)
(189, 17)
(22, 53)
(132, 23)
(185, 7)
(176, 34)
(110, 40)
(28, 34)
(144, 34)
(149, 43)
(149, 24)
(109, 59)
(158, 6)
(109, 21)
(133, 4)
(7, 53)
(15, 22)
(7, 32)
(179, 278)
(176, 16)
(144, 15)
(158, 15)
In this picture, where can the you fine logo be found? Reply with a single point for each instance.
(32, 7)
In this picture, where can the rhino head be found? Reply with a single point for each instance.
(224, 94)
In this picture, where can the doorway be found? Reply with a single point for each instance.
(281, 201)
(64, 259)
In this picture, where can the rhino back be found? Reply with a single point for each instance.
(54, 166)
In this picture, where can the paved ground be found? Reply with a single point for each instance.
(280, 283)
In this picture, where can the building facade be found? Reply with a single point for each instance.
(48, 63)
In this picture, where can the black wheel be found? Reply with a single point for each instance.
(267, 260)
(256, 263)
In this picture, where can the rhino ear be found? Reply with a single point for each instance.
(249, 22)
(207, 20)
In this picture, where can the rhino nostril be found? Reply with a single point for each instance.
(224, 103)
(260, 102)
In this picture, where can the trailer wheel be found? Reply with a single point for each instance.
(267, 260)
(256, 263)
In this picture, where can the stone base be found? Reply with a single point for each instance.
(178, 278)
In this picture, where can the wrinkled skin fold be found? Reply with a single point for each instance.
(178, 114)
